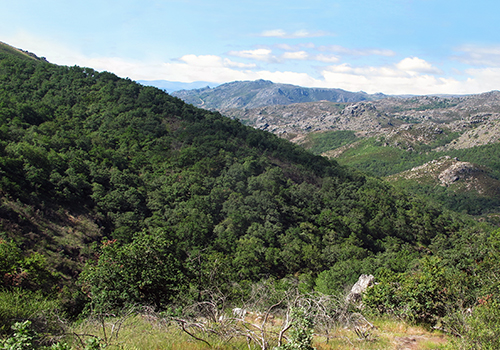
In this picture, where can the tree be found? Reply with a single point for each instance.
(146, 271)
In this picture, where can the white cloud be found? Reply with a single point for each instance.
(264, 55)
(483, 79)
(275, 33)
(286, 47)
(479, 55)
(299, 34)
(301, 79)
(297, 47)
(307, 34)
(209, 61)
(417, 65)
(201, 61)
(411, 75)
(357, 52)
(326, 58)
(229, 63)
(188, 68)
(295, 55)
(387, 79)
(41, 46)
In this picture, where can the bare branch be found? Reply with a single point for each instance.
(183, 326)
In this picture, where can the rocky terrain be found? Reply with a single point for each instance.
(303, 118)
(475, 115)
(451, 172)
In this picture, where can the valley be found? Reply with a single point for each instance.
(391, 135)
(123, 208)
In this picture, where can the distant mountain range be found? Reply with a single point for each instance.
(171, 86)
(259, 93)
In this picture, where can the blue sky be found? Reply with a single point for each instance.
(389, 46)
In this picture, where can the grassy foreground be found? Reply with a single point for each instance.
(151, 332)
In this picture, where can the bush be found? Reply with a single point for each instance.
(481, 329)
(24, 338)
(301, 332)
(419, 296)
(147, 271)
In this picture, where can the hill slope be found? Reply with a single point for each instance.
(10, 50)
(87, 156)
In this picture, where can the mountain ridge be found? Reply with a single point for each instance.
(259, 93)
(172, 86)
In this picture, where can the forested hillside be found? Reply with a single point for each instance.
(164, 201)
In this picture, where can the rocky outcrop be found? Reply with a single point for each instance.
(457, 175)
(456, 171)
(356, 293)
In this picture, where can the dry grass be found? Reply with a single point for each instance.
(149, 332)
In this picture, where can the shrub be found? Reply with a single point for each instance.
(147, 271)
(24, 338)
(417, 296)
(301, 332)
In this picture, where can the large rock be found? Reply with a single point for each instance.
(364, 281)
(457, 171)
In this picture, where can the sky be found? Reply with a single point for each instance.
(389, 46)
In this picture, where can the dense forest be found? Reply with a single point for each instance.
(116, 194)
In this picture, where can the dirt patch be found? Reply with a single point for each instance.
(418, 342)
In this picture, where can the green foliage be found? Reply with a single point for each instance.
(471, 261)
(20, 304)
(301, 331)
(370, 155)
(147, 271)
(59, 346)
(469, 202)
(335, 280)
(22, 339)
(319, 143)
(10, 257)
(379, 160)
(185, 198)
(93, 343)
(26, 271)
(482, 329)
(419, 296)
